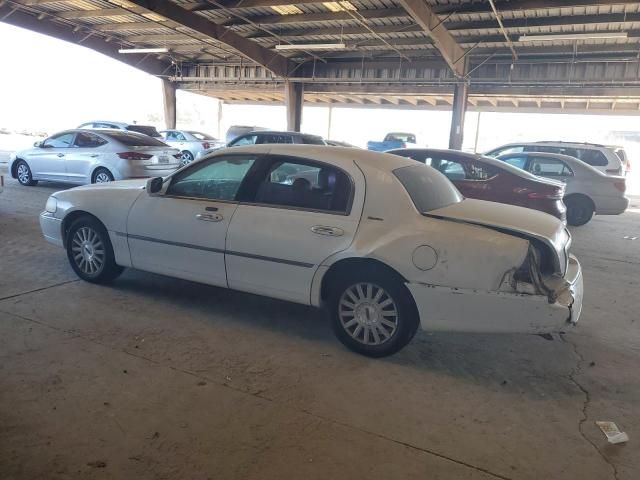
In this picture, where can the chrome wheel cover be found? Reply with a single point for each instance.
(186, 159)
(23, 173)
(88, 251)
(103, 177)
(368, 314)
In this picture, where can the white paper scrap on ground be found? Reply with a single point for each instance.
(613, 433)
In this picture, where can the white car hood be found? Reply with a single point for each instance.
(518, 220)
(135, 184)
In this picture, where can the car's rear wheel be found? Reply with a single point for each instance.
(187, 157)
(579, 210)
(372, 313)
(90, 251)
(23, 172)
(102, 175)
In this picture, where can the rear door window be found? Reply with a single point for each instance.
(298, 183)
(274, 138)
(593, 157)
(549, 167)
(88, 140)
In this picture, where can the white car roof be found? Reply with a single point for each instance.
(343, 157)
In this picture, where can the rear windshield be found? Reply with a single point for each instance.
(622, 155)
(144, 129)
(201, 136)
(428, 188)
(400, 137)
(135, 140)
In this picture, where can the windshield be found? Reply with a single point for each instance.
(201, 136)
(428, 188)
(135, 140)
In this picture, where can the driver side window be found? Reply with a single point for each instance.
(62, 140)
(217, 179)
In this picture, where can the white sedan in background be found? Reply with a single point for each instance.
(383, 243)
(588, 190)
(91, 156)
(192, 144)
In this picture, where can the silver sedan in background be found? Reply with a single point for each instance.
(91, 156)
(191, 143)
(588, 190)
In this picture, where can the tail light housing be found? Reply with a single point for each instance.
(546, 195)
(134, 156)
(621, 185)
(205, 145)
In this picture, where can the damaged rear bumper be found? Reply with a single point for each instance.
(464, 310)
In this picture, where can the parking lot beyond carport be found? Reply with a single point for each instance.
(158, 378)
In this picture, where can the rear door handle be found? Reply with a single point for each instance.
(94, 155)
(328, 231)
(61, 154)
(209, 217)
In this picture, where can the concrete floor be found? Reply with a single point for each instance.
(154, 378)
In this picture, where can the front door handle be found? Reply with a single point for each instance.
(209, 217)
(328, 231)
(94, 155)
(61, 154)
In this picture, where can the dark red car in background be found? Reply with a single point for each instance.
(489, 179)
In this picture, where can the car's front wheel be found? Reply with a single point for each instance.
(90, 252)
(23, 172)
(372, 313)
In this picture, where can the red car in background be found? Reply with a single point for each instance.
(492, 180)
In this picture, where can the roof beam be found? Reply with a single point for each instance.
(461, 26)
(502, 5)
(99, 13)
(276, 63)
(319, 17)
(118, 27)
(424, 16)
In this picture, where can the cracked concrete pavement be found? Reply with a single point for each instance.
(158, 378)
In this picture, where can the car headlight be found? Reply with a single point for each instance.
(52, 205)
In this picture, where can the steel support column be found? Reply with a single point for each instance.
(293, 100)
(169, 102)
(459, 109)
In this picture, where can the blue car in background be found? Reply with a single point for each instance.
(393, 141)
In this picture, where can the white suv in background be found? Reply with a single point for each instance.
(611, 160)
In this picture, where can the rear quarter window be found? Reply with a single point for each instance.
(429, 189)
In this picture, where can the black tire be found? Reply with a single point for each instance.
(23, 174)
(579, 210)
(187, 157)
(85, 255)
(406, 320)
(101, 175)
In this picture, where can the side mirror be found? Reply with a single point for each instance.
(154, 185)
(38, 144)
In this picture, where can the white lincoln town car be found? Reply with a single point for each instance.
(383, 243)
